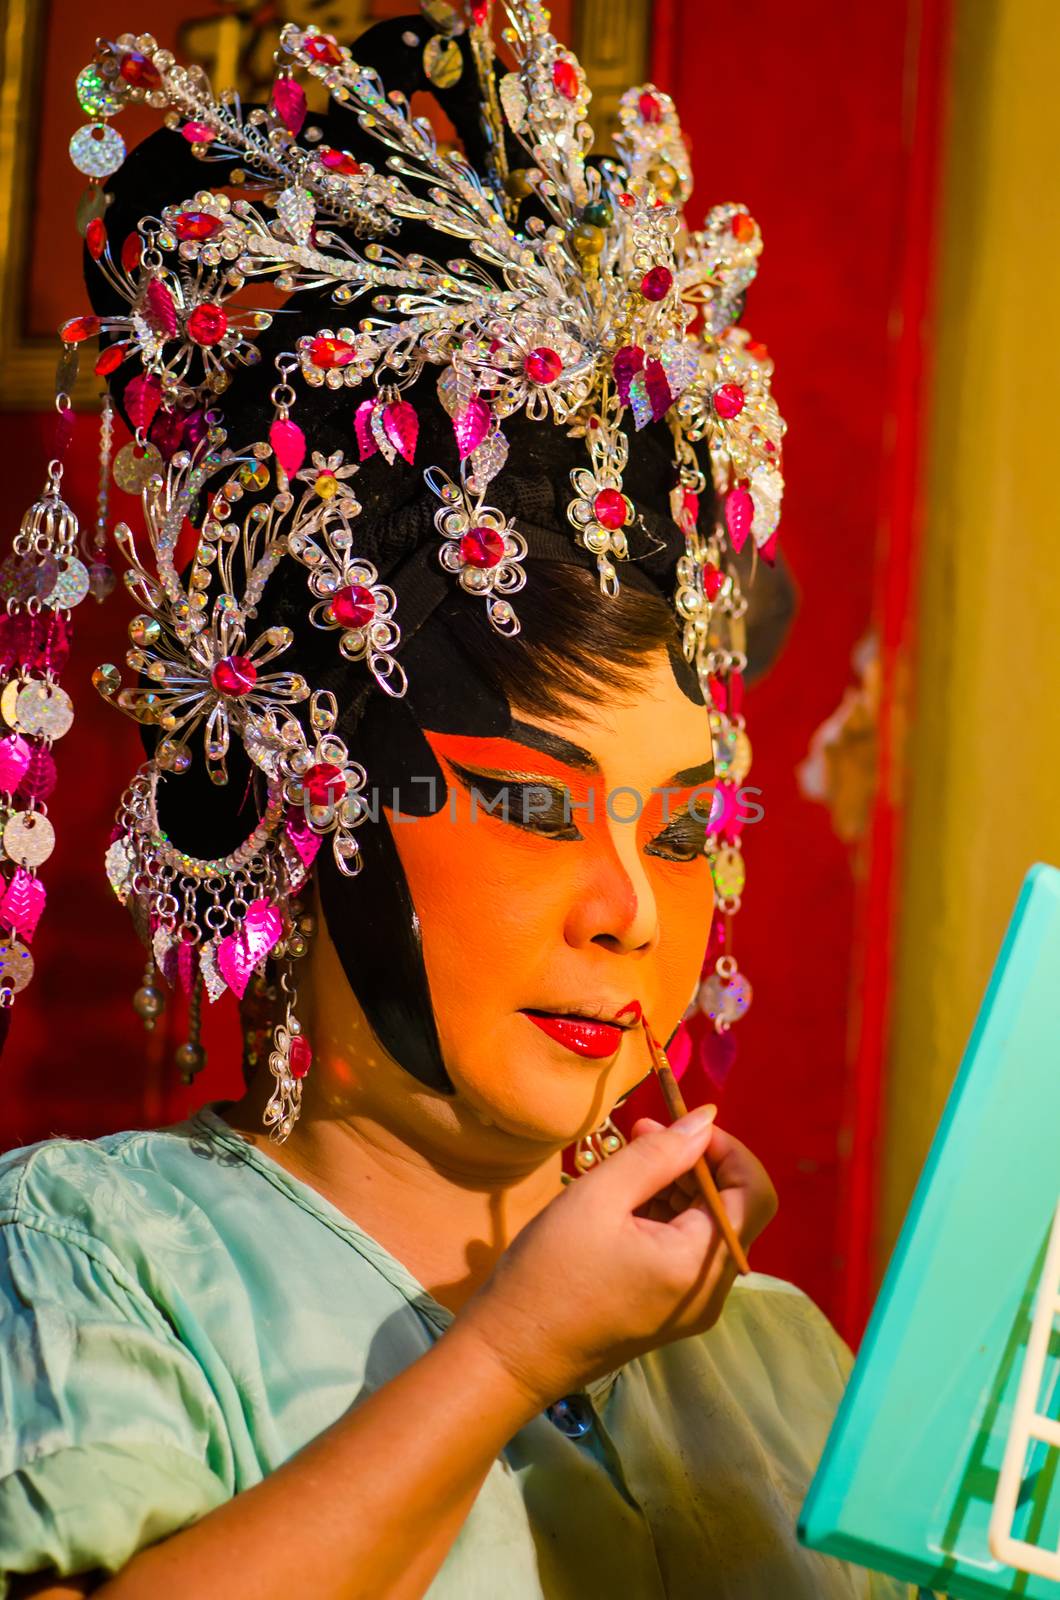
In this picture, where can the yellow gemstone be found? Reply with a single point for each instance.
(587, 239)
(517, 184)
(326, 485)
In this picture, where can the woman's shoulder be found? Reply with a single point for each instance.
(774, 1311)
(124, 1185)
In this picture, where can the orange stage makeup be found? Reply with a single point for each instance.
(564, 907)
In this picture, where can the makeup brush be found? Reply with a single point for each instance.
(704, 1177)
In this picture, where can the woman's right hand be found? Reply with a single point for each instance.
(626, 1259)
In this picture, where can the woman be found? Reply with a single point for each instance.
(449, 857)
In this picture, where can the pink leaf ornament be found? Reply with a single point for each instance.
(289, 99)
(14, 760)
(660, 394)
(402, 426)
(471, 426)
(739, 514)
(39, 778)
(23, 902)
(627, 363)
(161, 308)
(143, 396)
(304, 842)
(362, 427)
(240, 953)
(288, 444)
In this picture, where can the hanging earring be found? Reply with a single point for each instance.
(596, 1146)
(290, 1059)
(291, 1055)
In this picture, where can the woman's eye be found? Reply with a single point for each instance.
(541, 808)
(683, 839)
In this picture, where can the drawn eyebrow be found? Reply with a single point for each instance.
(550, 744)
(691, 776)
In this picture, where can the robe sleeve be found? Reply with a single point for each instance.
(109, 1434)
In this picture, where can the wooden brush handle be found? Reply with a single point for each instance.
(705, 1178)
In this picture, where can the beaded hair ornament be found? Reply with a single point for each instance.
(597, 313)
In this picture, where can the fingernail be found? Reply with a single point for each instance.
(696, 1121)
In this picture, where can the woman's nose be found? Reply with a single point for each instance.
(613, 905)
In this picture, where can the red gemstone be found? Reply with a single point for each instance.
(139, 72)
(340, 161)
(234, 676)
(96, 238)
(627, 200)
(543, 365)
(198, 133)
(657, 283)
(728, 400)
(207, 324)
(565, 78)
(322, 48)
(609, 509)
(300, 1056)
(324, 784)
(743, 227)
(110, 360)
(713, 578)
(131, 251)
(757, 350)
(196, 225)
(482, 547)
(78, 329)
(649, 106)
(690, 500)
(329, 353)
(480, 14)
(354, 606)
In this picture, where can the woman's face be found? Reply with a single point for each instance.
(547, 932)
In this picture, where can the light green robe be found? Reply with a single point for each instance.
(178, 1316)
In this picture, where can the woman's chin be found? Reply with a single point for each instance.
(556, 1098)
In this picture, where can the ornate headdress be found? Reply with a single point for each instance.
(574, 294)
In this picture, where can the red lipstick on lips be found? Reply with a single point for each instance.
(584, 1036)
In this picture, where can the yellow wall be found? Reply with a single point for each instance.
(984, 750)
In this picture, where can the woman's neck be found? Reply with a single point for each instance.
(446, 1224)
